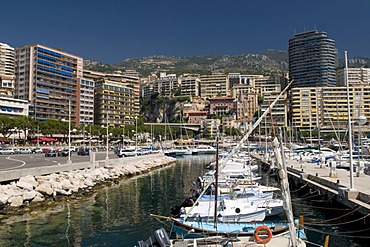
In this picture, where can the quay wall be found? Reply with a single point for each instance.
(16, 174)
(334, 187)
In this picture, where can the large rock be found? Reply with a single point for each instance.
(4, 199)
(45, 189)
(38, 198)
(15, 201)
(24, 185)
(89, 182)
(29, 195)
(29, 179)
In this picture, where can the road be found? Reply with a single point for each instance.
(22, 161)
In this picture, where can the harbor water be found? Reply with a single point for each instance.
(118, 214)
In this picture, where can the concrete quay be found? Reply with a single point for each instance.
(336, 187)
(16, 174)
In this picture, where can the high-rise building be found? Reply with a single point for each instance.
(7, 55)
(49, 79)
(327, 107)
(312, 60)
(86, 101)
(116, 96)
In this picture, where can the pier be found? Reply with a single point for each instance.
(335, 187)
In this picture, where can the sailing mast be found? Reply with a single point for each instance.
(281, 165)
(216, 189)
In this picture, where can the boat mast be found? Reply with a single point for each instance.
(216, 189)
(281, 166)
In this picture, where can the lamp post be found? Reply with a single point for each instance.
(69, 161)
(38, 134)
(14, 134)
(123, 135)
(107, 139)
(135, 133)
(69, 133)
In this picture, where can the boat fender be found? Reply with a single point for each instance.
(258, 238)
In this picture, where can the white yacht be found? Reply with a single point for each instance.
(203, 149)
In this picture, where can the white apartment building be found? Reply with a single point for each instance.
(189, 85)
(13, 107)
(356, 76)
(7, 62)
(86, 113)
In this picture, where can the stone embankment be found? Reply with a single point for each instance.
(31, 190)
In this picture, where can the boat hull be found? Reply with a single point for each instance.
(202, 229)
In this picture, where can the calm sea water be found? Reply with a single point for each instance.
(118, 214)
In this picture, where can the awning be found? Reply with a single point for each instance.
(45, 139)
(5, 140)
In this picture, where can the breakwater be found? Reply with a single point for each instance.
(34, 186)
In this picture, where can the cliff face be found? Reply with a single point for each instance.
(162, 110)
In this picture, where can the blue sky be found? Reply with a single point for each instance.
(112, 30)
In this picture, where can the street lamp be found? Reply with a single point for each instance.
(135, 133)
(123, 135)
(107, 139)
(14, 134)
(69, 132)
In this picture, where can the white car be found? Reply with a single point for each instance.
(25, 151)
(126, 153)
(7, 151)
(37, 150)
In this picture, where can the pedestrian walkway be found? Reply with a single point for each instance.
(336, 187)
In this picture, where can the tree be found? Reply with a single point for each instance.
(6, 124)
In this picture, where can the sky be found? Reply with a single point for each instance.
(111, 31)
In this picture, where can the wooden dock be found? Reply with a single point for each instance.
(335, 187)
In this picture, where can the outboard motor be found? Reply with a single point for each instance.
(158, 239)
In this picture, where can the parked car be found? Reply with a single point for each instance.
(51, 153)
(64, 152)
(7, 151)
(36, 150)
(126, 153)
(83, 151)
(25, 151)
(45, 150)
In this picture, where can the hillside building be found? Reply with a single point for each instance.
(214, 85)
(221, 106)
(356, 76)
(189, 85)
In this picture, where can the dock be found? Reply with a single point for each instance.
(335, 187)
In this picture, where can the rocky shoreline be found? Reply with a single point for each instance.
(35, 190)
